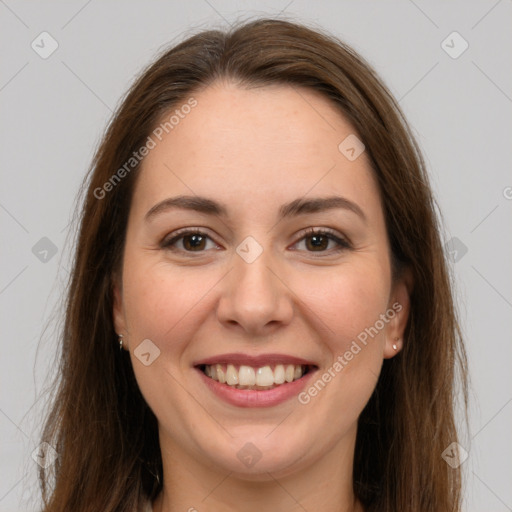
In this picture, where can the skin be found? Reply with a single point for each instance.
(253, 150)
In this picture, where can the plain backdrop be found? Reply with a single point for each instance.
(455, 89)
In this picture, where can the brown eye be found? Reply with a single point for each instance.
(317, 242)
(323, 241)
(194, 242)
(188, 241)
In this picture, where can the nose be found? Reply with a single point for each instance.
(255, 297)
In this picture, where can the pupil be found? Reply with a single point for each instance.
(317, 241)
(194, 241)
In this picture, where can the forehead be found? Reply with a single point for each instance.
(252, 144)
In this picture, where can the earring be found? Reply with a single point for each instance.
(120, 341)
(394, 344)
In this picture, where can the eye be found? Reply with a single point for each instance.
(319, 240)
(188, 240)
(315, 240)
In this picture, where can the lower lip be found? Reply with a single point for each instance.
(254, 398)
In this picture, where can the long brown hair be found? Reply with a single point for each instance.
(99, 424)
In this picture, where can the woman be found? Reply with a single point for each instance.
(259, 315)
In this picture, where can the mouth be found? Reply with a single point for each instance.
(256, 378)
(263, 380)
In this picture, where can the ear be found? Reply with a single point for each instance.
(398, 311)
(118, 309)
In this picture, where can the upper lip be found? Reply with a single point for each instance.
(254, 361)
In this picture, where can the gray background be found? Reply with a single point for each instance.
(55, 109)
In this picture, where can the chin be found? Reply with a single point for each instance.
(253, 457)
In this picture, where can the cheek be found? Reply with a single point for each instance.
(165, 305)
(347, 300)
(162, 302)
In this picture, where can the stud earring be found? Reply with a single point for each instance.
(395, 345)
(120, 341)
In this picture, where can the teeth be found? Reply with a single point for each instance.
(279, 374)
(265, 376)
(289, 373)
(221, 376)
(247, 377)
(231, 375)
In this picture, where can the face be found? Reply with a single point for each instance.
(275, 264)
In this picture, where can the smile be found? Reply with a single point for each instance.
(263, 380)
(255, 378)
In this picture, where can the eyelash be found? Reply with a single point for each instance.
(342, 243)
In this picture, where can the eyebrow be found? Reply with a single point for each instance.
(296, 207)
